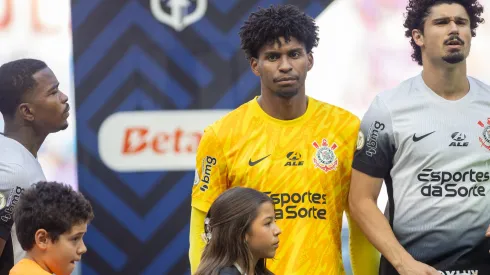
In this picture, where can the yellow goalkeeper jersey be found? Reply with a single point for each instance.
(304, 165)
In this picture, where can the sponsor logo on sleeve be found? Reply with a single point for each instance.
(8, 211)
(360, 141)
(372, 138)
(208, 163)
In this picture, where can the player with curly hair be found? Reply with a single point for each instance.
(51, 220)
(429, 140)
(292, 147)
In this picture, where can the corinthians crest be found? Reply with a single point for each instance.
(325, 157)
(485, 138)
(178, 18)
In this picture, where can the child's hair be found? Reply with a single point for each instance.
(227, 222)
(51, 206)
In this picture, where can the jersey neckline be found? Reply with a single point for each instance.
(434, 96)
(299, 120)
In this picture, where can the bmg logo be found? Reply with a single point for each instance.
(207, 168)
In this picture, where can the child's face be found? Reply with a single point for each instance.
(62, 254)
(263, 238)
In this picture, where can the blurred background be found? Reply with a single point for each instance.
(146, 77)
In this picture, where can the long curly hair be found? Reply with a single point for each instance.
(418, 11)
(267, 25)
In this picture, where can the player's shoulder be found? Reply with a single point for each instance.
(480, 86)
(232, 119)
(400, 92)
(11, 153)
(12, 168)
(333, 110)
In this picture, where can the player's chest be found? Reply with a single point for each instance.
(446, 137)
(315, 159)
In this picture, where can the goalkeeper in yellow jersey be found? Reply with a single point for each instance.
(294, 148)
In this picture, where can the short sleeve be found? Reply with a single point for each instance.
(211, 177)
(376, 144)
(12, 177)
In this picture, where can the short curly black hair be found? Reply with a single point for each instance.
(267, 25)
(52, 206)
(15, 80)
(418, 11)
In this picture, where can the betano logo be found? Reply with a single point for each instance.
(154, 140)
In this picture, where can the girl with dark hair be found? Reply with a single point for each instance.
(240, 234)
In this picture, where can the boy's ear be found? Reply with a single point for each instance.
(42, 239)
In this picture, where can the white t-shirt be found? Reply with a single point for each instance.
(19, 169)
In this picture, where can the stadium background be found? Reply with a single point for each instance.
(139, 74)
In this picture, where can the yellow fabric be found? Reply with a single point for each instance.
(310, 196)
(364, 257)
(196, 242)
(27, 267)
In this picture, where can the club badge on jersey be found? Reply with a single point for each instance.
(485, 138)
(325, 158)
